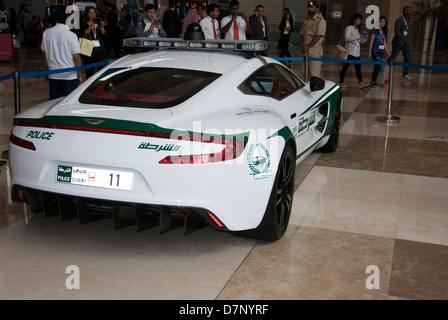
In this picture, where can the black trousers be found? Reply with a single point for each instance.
(284, 45)
(345, 68)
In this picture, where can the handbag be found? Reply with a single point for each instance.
(86, 46)
(383, 75)
(340, 51)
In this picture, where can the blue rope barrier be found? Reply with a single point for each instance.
(98, 64)
(289, 59)
(48, 72)
(6, 77)
(418, 66)
(367, 62)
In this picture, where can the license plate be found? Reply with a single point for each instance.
(111, 179)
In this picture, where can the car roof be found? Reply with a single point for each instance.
(208, 61)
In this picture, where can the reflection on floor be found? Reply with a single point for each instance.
(378, 203)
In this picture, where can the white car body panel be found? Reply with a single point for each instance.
(228, 189)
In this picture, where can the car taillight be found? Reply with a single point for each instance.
(232, 149)
(22, 143)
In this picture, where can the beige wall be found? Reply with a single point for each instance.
(273, 10)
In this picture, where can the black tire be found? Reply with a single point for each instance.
(278, 211)
(333, 142)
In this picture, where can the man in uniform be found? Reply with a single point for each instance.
(313, 30)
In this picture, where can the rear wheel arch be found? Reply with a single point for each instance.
(278, 210)
(333, 140)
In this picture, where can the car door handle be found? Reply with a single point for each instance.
(293, 115)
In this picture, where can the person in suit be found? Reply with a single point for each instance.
(171, 22)
(113, 39)
(259, 24)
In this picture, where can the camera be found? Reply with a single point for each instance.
(97, 20)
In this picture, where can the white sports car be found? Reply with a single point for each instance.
(193, 133)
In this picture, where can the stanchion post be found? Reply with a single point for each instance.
(306, 60)
(17, 101)
(389, 118)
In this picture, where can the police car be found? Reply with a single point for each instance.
(189, 133)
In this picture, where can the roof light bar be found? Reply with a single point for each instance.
(234, 45)
(145, 43)
(180, 44)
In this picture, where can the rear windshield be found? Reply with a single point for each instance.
(153, 88)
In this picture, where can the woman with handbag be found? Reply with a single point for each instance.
(378, 50)
(353, 39)
(286, 28)
(92, 28)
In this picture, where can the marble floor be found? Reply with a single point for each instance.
(369, 222)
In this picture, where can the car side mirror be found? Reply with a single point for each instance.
(317, 84)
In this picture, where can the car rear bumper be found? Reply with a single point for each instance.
(123, 214)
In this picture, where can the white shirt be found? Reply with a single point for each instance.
(207, 28)
(59, 45)
(353, 41)
(262, 25)
(3, 25)
(155, 31)
(242, 27)
(286, 27)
